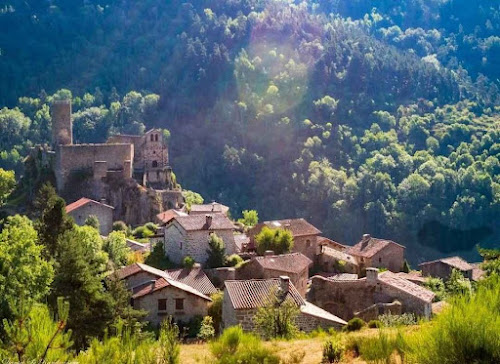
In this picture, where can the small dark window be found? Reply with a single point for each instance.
(156, 137)
(155, 164)
(380, 260)
(308, 243)
(162, 304)
(179, 303)
(152, 137)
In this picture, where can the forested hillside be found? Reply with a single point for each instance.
(378, 116)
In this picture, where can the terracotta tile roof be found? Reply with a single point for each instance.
(241, 241)
(135, 268)
(455, 262)
(136, 246)
(343, 277)
(412, 277)
(199, 222)
(255, 292)
(213, 207)
(194, 277)
(337, 254)
(293, 263)
(82, 202)
(161, 275)
(165, 216)
(315, 311)
(331, 244)
(367, 248)
(298, 227)
(406, 286)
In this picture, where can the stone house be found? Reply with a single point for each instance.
(378, 253)
(305, 235)
(294, 265)
(83, 208)
(242, 299)
(442, 268)
(331, 260)
(156, 292)
(189, 236)
(370, 296)
(211, 208)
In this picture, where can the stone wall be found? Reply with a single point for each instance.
(329, 261)
(441, 270)
(103, 213)
(391, 257)
(82, 156)
(193, 305)
(374, 311)
(219, 275)
(139, 279)
(180, 243)
(307, 245)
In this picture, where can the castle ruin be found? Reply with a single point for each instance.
(137, 165)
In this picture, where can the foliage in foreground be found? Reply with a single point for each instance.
(234, 346)
(466, 332)
(332, 351)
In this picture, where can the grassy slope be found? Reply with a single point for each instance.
(312, 347)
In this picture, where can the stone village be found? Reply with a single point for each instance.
(129, 178)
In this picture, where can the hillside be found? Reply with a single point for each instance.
(376, 117)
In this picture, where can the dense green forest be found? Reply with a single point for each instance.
(378, 117)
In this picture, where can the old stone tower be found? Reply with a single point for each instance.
(62, 127)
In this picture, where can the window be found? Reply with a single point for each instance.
(308, 243)
(162, 304)
(180, 245)
(155, 164)
(380, 260)
(152, 137)
(179, 303)
(156, 137)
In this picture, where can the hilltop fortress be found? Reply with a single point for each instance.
(130, 172)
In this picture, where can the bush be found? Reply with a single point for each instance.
(465, 332)
(406, 319)
(234, 260)
(142, 232)
(158, 259)
(121, 226)
(436, 285)
(332, 351)
(355, 324)
(377, 349)
(169, 342)
(236, 347)
(188, 262)
(276, 319)
(207, 330)
(215, 310)
(375, 324)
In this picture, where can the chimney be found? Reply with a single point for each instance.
(208, 219)
(196, 265)
(371, 275)
(268, 253)
(284, 286)
(103, 201)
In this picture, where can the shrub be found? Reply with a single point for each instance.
(207, 330)
(280, 241)
(142, 232)
(377, 349)
(355, 324)
(276, 319)
(93, 221)
(375, 324)
(215, 310)
(234, 347)
(405, 319)
(190, 328)
(436, 285)
(216, 252)
(465, 332)
(234, 260)
(332, 351)
(121, 226)
(188, 262)
(169, 342)
(158, 259)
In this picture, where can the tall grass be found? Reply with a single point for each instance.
(467, 332)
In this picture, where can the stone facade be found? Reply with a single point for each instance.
(103, 212)
(179, 243)
(441, 269)
(335, 261)
(346, 298)
(378, 253)
(307, 245)
(192, 305)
